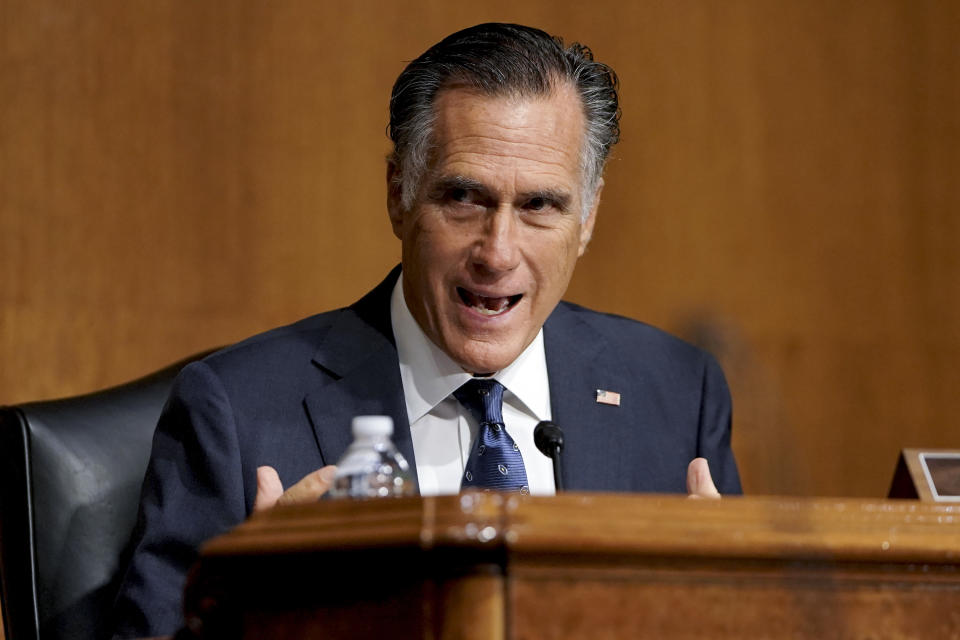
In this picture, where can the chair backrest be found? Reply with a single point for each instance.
(70, 477)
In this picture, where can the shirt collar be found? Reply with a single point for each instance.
(429, 375)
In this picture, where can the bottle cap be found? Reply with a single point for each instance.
(371, 426)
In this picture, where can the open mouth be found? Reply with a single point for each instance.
(488, 306)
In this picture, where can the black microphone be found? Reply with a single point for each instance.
(549, 439)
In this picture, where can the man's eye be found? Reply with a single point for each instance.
(537, 204)
(458, 195)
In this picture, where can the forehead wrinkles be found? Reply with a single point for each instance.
(477, 129)
(482, 149)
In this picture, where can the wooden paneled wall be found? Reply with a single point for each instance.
(178, 175)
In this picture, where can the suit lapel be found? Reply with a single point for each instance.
(603, 443)
(359, 356)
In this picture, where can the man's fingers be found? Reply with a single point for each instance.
(310, 488)
(269, 488)
(699, 482)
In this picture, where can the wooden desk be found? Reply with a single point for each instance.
(482, 566)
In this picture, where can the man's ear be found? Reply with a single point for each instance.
(395, 198)
(586, 228)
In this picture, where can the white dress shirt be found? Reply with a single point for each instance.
(442, 430)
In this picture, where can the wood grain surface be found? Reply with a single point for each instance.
(586, 565)
(176, 176)
(854, 529)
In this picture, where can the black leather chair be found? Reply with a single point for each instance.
(70, 476)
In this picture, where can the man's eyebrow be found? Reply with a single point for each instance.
(445, 184)
(450, 183)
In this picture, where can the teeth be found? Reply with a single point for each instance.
(487, 306)
(491, 312)
(491, 306)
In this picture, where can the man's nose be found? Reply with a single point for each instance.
(496, 250)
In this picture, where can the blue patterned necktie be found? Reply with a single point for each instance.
(495, 461)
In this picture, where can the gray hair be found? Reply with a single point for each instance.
(500, 59)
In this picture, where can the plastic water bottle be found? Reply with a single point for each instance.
(372, 467)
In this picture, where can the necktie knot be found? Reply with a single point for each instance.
(483, 398)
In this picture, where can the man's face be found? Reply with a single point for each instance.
(493, 235)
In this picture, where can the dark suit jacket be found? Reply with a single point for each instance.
(285, 398)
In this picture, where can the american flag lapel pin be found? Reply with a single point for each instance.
(608, 397)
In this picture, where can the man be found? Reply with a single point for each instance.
(500, 138)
